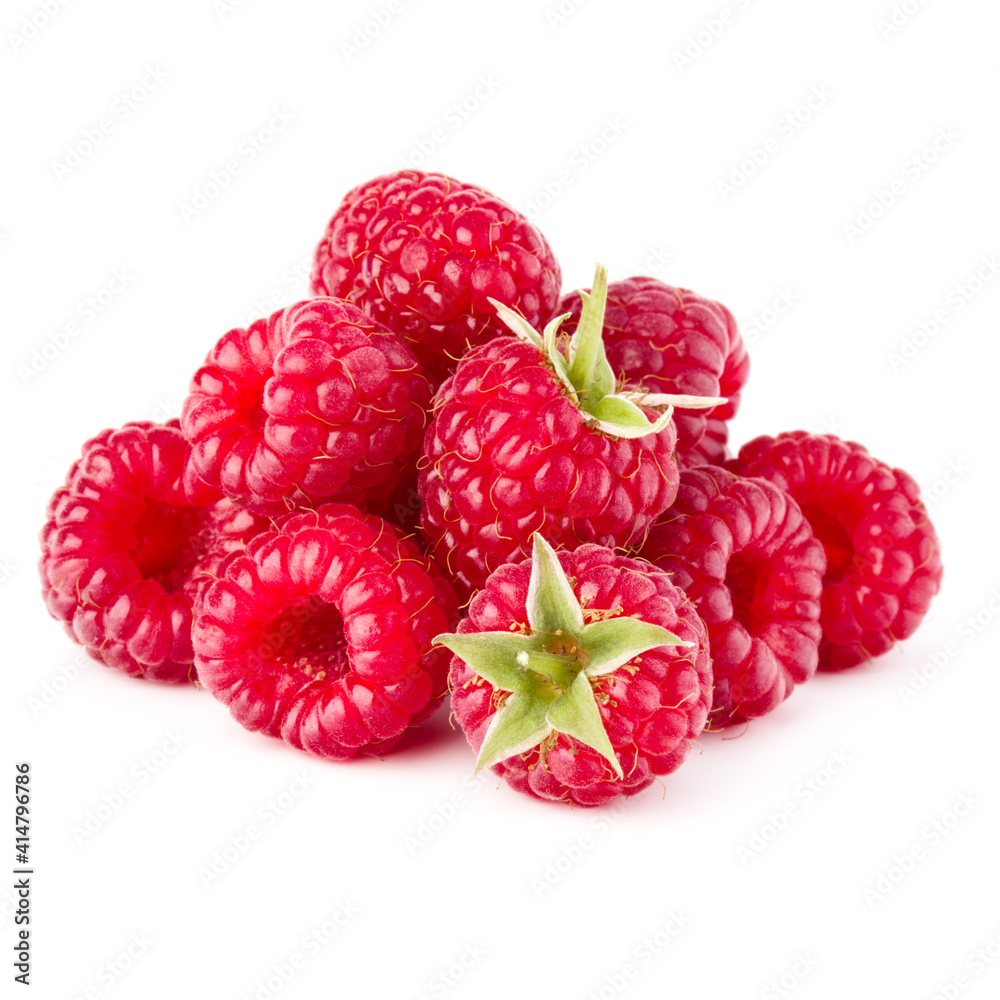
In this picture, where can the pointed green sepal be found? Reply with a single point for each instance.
(548, 672)
(611, 643)
(553, 608)
(493, 655)
(603, 382)
(551, 350)
(678, 401)
(620, 417)
(517, 324)
(577, 715)
(589, 371)
(517, 727)
(551, 333)
(588, 376)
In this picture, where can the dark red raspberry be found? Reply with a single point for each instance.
(317, 402)
(672, 340)
(884, 558)
(320, 634)
(129, 541)
(423, 253)
(743, 552)
(644, 712)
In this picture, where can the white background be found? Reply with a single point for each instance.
(433, 868)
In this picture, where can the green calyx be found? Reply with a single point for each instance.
(583, 368)
(548, 672)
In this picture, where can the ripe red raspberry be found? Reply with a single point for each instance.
(713, 448)
(320, 633)
(743, 552)
(130, 538)
(884, 558)
(525, 439)
(672, 340)
(402, 507)
(423, 254)
(584, 689)
(315, 403)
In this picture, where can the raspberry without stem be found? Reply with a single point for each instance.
(423, 253)
(316, 403)
(320, 633)
(884, 555)
(742, 551)
(131, 539)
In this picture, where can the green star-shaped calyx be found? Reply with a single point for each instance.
(548, 671)
(587, 375)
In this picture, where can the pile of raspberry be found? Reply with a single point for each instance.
(440, 477)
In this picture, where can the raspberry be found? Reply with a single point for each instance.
(402, 507)
(320, 633)
(316, 402)
(130, 539)
(626, 671)
(423, 254)
(713, 448)
(672, 340)
(525, 439)
(743, 552)
(884, 558)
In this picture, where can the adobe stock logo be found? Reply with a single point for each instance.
(88, 310)
(580, 160)
(757, 155)
(370, 29)
(249, 148)
(955, 300)
(124, 105)
(712, 28)
(31, 25)
(913, 169)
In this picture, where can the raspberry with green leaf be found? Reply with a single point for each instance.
(530, 434)
(580, 676)
(670, 339)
